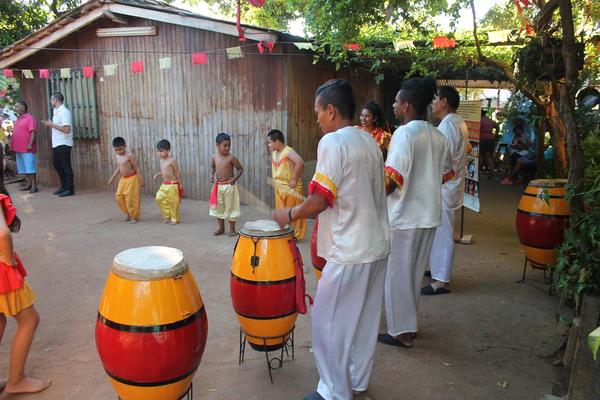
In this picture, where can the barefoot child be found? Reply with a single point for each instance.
(16, 300)
(168, 196)
(224, 198)
(130, 184)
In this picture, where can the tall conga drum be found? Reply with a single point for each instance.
(542, 215)
(317, 262)
(263, 284)
(151, 327)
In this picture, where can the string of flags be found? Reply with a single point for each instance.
(137, 66)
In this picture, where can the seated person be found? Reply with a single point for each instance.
(522, 158)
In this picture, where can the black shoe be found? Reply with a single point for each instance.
(25, 188)
(66, 193)
(431, 291)
(427, 274)
(34, 189)
(313, 396)
(59, 191)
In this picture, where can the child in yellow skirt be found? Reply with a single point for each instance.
(169, 194)
(131, 182)
(16, 300)
(225, 199)
(287, 167)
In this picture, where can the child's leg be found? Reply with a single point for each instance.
(27, 322)
(232, 231)
(163, 205)
(221, 229)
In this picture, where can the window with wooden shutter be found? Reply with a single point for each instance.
(80, 99)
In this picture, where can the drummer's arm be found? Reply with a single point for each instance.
(310, 208)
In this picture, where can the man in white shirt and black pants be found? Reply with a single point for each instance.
(348, 193)
(454, 128)
(62, 143)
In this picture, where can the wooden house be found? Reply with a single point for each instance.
(188, 104)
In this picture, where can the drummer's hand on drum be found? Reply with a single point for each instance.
(281, 216)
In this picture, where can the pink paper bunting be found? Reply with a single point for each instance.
(44, 73)
(2, 92)
(199, 58)
(88, 72)
(137, 67)
(9, 73)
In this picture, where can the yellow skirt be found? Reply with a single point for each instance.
(14, 302)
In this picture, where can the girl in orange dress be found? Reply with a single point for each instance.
(16, 300)
(373, 122)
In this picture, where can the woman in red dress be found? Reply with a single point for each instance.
(373, 122)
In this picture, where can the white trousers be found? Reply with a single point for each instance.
(441, 256)
(345, 321)
(406, 265)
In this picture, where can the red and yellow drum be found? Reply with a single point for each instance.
(263, 284)
(317, 262)
(151, 328)
(541, 219)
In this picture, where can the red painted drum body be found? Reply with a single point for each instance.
(542, 215)
(263, 284)
(152, 327)
(317, 262)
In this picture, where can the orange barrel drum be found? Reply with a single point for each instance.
(263, 284)
(542, 216)
(317, 262)
(151, 327)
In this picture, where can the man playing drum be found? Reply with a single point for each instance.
(348, 193)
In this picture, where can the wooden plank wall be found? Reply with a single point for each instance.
(188, 105)
(302, 130)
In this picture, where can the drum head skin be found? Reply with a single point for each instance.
(264, 228)
(149, 263)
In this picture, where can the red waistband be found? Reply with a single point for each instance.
(170, 183)
(130, 175)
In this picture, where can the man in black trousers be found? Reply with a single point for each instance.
(62, 143)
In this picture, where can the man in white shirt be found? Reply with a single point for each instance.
(62, 143)
(348, 193)
(454, 128)
(417, 164)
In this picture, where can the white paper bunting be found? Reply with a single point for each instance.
(403, 44)
(27, 74)
(65, 73)
(234, 52)
(110, 69)
(164, 63)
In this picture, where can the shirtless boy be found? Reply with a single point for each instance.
(130, 183)
(224, 198)
(168, 196)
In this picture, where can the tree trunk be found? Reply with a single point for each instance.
(540, 161)
(558, 135)
(567, 107)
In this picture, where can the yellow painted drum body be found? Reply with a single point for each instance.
(542, 215)
(152, 327)
(263, 286)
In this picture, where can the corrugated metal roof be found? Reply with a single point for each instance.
(476, 84)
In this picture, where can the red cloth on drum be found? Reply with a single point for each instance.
(8, 209)
(300, 283)
(12, 277)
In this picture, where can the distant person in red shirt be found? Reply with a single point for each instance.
(24, 146)
(487, 141)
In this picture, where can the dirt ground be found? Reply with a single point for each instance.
(490, 339)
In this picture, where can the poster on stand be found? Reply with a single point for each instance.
(471, 112)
